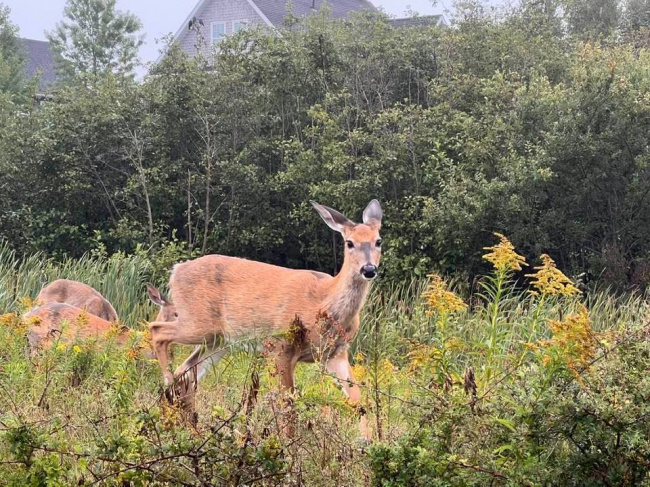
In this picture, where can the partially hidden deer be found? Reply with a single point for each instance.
(63, 322)
(311, 315)
(79, 295)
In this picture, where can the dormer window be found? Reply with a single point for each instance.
(217, 31)
(238, 25)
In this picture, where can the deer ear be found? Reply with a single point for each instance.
(335, 220)
(372, 213)
(156, 296)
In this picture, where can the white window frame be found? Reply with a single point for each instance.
(222, 35)
(241, 21)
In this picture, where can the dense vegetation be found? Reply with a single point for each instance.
(532, 123)
(524, 123)
(500, 388)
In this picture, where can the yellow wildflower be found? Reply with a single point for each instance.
(26, 303)
(422, 355)
(61, 347)
(503, 256)
(76, 349)
(8, 319)
(359, 370)
(550, 280)
(439, 299)
(575, 338)
(83, 319)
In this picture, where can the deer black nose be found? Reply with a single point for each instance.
(369, 271)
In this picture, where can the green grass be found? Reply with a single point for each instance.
(93, 414)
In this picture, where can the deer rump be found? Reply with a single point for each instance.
(79, 295)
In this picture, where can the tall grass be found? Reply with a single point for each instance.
(88, 406)
(119, 278)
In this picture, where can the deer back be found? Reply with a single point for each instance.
(79, 295)
(228, 296)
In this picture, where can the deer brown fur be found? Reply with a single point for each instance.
(226, 298)
(64, 322)
(79, 295)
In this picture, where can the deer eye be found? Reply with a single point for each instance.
(378, 243)
(349, 244)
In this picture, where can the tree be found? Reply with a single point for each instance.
(11, 54)
(96, 39)
(593, 18)
(636, 15)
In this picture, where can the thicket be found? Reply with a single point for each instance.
(522, 123)
(501, 387)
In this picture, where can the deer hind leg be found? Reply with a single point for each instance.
(340, 366)
(162, 334)
(203, 357)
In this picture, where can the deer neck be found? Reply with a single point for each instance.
(347, 294)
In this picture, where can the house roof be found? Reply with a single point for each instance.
(39, 59)
(273, 12)
(417, 21)
(277, 10)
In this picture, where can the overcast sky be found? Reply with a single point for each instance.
(161, 17)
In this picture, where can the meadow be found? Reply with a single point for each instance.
(519, 379)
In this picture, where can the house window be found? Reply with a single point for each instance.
(238, 25)
(218, 31)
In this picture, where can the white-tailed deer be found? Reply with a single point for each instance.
(313, 315)
(79, 295)
(64, 322)
(167, 309)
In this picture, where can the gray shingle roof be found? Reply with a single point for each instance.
(39, 58)
(276, 10)
(418, 21)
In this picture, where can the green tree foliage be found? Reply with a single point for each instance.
(500, 124)
(95, 39)
(11, 54)
(636, 15)
(593, 18)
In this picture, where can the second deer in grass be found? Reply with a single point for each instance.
(313, 315)
(77, 294)
(52, 322)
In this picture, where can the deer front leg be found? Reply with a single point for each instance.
(285, 366)
(340, 366)
(162, 334)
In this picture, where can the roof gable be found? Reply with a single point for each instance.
(39, 58)
(418, 20)
(273, 12)
(277, 10)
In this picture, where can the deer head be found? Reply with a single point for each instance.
(167, 309)
(362, 240)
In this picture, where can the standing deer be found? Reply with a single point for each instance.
(77, 294)
(167, 309)
(219, 297)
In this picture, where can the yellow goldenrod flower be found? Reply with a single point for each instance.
(422, 355)
(575, 338)
(26, 303)
(550, 280)
(8, 319)
(76, 349)
(503, 256)
(439, 299)
(61, 347)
